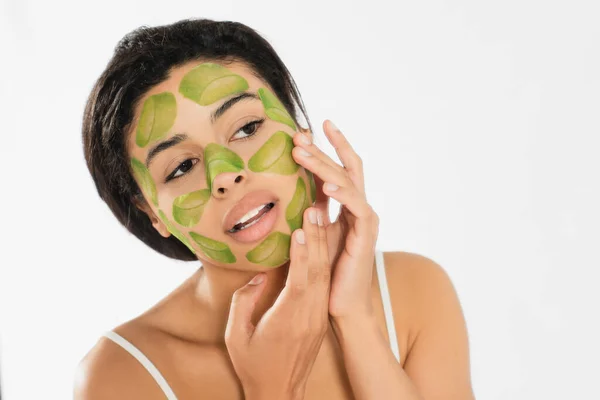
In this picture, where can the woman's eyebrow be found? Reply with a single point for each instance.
(178, 138)
(229, 103)
(164, 145)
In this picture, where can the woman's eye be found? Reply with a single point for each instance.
(184, 167)
(248, 130)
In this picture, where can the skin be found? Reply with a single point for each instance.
(183, 334)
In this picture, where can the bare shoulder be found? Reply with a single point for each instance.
(110, 372)
(437, 359)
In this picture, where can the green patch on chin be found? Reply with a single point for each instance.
(274, 109)
(219, 159)
(157, 117)
(210, 82)
(275, 156)
(213, 249)
(188, 208)
(144, 179)
(271, 252)
(174, 231)
(299, 203)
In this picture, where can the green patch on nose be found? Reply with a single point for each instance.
(144, 179)
(274, 109)
(299, 203)
(210, 82)
(213, 249)
(157, 117)
(271, 252)
(219, 159)
(275, 156)
(174, 231)
(188, 208)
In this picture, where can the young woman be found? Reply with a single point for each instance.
(193, 140)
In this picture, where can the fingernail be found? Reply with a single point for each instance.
(312, 216)
(335, 128)
(305, 139)
(304, 153)
(320, 218)
(300, 236)
(330, 187)
(257, 280)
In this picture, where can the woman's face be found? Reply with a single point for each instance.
(211, 150)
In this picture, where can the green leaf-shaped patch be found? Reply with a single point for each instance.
(157, 117)
(209, 82)
(271, 252)
(312, 184)
(274, 109)
(144, 179)
(219, 159)
(299, 203)
(275, 156)
(174, 231)
(188, 208)
(216, 250)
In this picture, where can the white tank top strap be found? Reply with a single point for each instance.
(135, 352)
(387, 303)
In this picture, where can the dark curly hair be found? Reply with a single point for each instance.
(141, 60)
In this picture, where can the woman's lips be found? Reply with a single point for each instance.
(258, 229)
(262, 226)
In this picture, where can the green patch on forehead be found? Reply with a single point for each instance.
(271, 252)
(219, 159)
(213, 249)
(299, 203)
(144, 179)
(274, 109)
(174, 231)
(209, 82)
(157, 117)
(275, 156)
(188, 208)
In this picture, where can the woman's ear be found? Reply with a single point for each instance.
(157, 223)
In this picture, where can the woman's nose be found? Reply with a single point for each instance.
(225, 182)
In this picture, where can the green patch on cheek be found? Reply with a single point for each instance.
(271, 252)
(299, 203)
(275, 156)
(274, 109)
(313, 185)
(175, 232)
(209, 82)
(219, 159)
(157, 117)
(213, 249)
(188, 208)
(142, 175)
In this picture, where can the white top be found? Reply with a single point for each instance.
(387, 308)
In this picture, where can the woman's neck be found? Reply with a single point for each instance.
(212, 288)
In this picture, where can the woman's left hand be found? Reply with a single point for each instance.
(357, 224)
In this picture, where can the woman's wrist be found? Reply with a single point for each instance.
(356, 326)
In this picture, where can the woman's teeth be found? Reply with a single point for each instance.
(243, 223)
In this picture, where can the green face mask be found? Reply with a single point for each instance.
(174, 231)
(144, 179)
(275, 156)
(157, 118)
(213, 249)
(271, 252)
(209, 82)
(219, 159)
(274, 109)
(188, 208)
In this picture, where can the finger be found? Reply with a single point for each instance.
(305, 142)
(349, 197)
(295, 284)
(239, 324)
(320, 168)
(349, 158)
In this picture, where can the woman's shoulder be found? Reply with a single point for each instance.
(109, 371)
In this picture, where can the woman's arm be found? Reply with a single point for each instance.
(437, 365)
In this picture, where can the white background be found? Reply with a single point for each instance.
(478, 123)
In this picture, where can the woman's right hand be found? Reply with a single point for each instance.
(274, 358)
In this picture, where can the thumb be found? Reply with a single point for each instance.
(243, 302)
